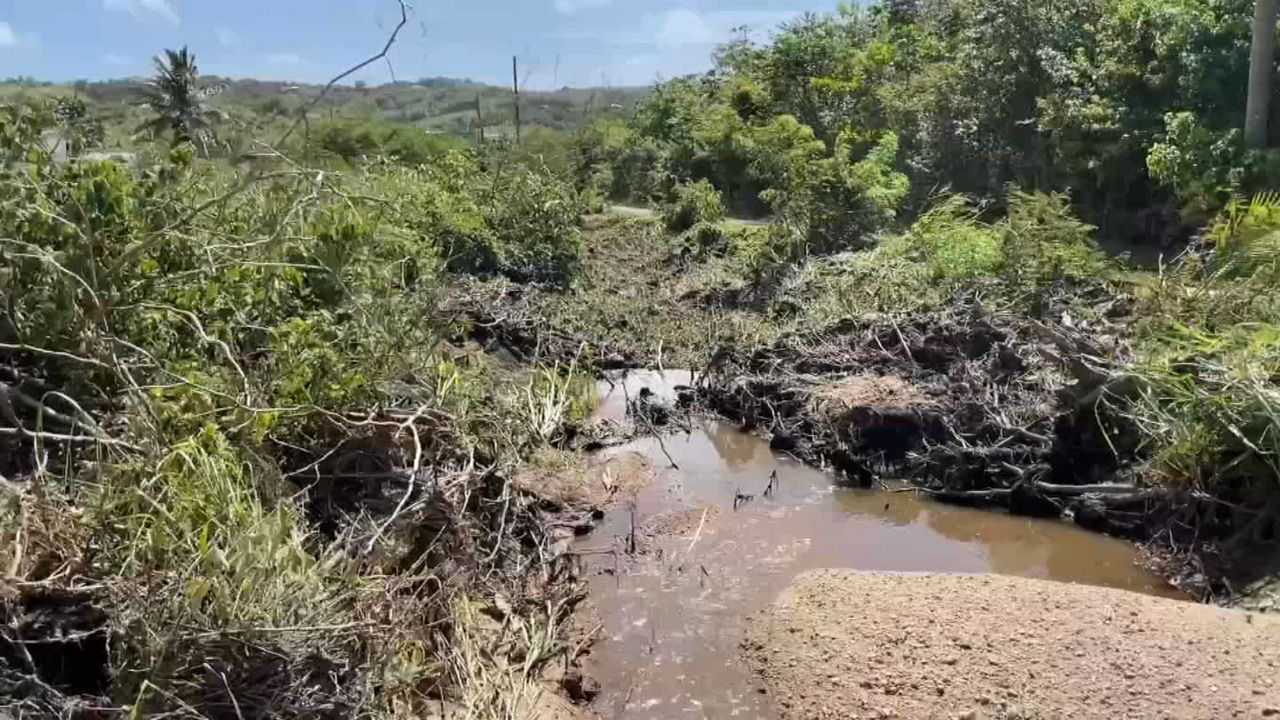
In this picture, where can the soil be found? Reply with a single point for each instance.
(868, 391)
(572, 483)
(842, 644)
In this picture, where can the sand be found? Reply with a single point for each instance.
(841, 644)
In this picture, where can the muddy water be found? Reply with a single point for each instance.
(672, 613)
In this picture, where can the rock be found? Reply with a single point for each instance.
(579, 687)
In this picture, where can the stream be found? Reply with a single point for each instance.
(671, 614)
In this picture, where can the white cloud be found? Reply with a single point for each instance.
(11, 39)
(137, 8)
(227, 37)
(284, 59)
(572, 7)
(117, 60)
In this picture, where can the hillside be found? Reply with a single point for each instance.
(442, 105)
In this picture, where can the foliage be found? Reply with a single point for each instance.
(354, 141)
(233, 558)
(1039, 242)
(1200, 166)
(174, 97)
(215, 342)
(1209, 356)
(694, 204)
(1126, 103)
(79, 129)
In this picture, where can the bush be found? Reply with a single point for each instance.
(534, 220)
(703, 240)
(838, 203)
(952, 242)
(694, 203)
(518, 222)
(1208, 357)
(1043, 241)
(1039, 241)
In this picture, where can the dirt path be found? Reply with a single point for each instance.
(853, 645)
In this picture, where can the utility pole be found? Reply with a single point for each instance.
(1261, 60)
(515, 89)
(479, 119)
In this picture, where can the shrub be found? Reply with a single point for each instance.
(952, 241)
(1039, 241)
(694, 203)
(534, 220)
(1208, 356)
(838, 203)
(704, 240)
(1202, 167)
(1044, 241)
(356, 141)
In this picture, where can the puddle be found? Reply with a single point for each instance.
(621, 388)
(672, 615)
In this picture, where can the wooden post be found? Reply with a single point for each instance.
(1258, 109)
(479, 119)
(515, 89)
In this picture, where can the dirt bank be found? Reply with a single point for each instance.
(841, 644)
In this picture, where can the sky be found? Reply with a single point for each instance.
(560, 42)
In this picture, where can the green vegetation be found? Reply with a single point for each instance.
(1135, 106)
(263, 381)
(235, 409)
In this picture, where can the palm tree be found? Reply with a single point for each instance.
(1258, 109)
(175, 99)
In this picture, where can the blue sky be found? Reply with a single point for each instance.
(560, 42)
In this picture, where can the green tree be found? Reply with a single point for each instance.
(174, 97)
(78, 128)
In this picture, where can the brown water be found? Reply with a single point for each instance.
(672, 615)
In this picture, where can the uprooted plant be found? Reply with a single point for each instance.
(244, 471)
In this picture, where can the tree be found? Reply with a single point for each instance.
(174, 97)
(1260, 65)
(78, 128)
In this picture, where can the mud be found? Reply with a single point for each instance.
(988, 409)
(992, 647)
(677, 568)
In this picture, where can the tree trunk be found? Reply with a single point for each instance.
(1260, 63)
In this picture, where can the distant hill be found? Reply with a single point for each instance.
(444, 105)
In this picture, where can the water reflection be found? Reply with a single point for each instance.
(740, 450)
(672, 616)
(619, 387)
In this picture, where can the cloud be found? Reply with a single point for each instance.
(572, 7)
(117, 60)
(137, 8)
(227, 37)
(284, 59)
(11, 39)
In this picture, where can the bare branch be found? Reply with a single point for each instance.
(404, 20)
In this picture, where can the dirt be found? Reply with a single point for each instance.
(868, 391)
(573, 483)
(681, 523)
(842, 644)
